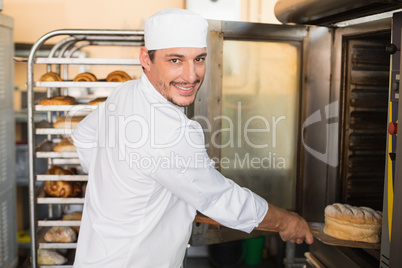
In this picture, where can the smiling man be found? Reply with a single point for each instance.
(148, 170)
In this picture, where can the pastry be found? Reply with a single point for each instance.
(58, 100)
(50, 257)
(60, 234)
(347, 222)
(67, 122)
(97, 101)
(62, 188)
(118, 76)
(85, 77)
(50, 77)
(65, 145)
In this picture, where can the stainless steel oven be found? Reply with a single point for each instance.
(299, 113)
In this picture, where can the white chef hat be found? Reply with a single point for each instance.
(175, 27)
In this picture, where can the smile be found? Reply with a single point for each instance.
(185, 88)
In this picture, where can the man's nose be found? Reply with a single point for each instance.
(189, 72)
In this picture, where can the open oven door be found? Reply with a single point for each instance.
(252, 106)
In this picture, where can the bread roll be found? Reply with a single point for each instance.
(50, 257)
(60, 234)
(50, 77)
(65, 145)
(353, 223)
(85, 77)
(58, 100)
(56, 170)
(118, 76)
(97, 101)
(67, 122)
(74, 216)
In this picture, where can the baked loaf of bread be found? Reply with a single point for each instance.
(73, 216)
(50, 257)
(85, 77)
(50, 77)
(97, 101)
(118, 76)
(65, 145)
(60, 234)
(58, 100)
(62, 188)
(353, 223)
(67, 122)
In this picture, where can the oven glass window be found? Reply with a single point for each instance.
(260, 117)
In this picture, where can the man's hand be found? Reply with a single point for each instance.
(290, 225)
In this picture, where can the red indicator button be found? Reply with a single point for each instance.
(392, 128)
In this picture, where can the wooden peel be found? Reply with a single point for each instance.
(316, 229)
(204, 219)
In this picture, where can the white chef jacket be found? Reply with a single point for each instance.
(148, 174)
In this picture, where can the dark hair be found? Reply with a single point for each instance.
(151, 54)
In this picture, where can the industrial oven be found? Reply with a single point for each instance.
(297, 112)
(310, 102)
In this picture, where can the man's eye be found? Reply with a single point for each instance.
(174, 60)
(199, 59)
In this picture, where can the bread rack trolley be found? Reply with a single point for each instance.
(61, 59)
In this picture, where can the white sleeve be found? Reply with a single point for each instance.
(85, 136)
(191, 176)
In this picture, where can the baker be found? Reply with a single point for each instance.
(147, 164)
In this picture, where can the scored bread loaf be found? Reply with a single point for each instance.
(60, 234)
(353, 223)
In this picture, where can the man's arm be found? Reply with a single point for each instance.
(85, 136)
(290, 225)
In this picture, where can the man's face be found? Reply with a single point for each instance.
(177, 73)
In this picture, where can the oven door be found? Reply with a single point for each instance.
(252, 105)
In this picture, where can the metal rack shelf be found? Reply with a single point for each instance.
(70, 84)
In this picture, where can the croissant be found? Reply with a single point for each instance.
(118, 76)
(85, 77)
(50, 77)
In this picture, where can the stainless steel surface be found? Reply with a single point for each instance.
(316, 12)
(8, 217)
(316, 96)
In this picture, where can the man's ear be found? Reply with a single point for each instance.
(144, 59)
